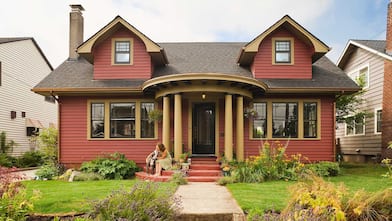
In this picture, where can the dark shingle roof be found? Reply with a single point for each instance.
(378, 45)
(196, 58)
(8, 40)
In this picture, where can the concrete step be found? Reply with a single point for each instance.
(204, 173)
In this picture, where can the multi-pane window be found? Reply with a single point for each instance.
(378, 118)
(122, 120)
(310, 119)
(260, 120)
(361, 77)
(97, 120)
(122, 52)
(355, 125)
(285, 120)
(147, 126)
(283, 51)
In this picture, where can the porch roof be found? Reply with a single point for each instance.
(194, 59)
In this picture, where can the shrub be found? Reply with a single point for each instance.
(31, 159)
(7, 161)
(47, 171)
(47, 141)
(142, 202)
(178, 178)
(223, 181)
(6, 145)
(324, 168)
(113, 166)
(87, 177)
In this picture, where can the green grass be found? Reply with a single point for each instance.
(274, 194)
(66, 197)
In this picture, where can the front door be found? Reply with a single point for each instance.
(203, 131)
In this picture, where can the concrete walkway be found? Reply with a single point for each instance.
(208, 201)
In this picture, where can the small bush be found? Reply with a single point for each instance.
(87, 177)
(178, 178)
(31, 159)
(47, 171)
(142, 202)
(7, 161)
(324, 168)
(223, 181)
(113, 166)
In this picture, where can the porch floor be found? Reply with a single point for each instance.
(202, 169)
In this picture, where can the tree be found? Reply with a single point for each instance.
(5, 145)
(48, 144)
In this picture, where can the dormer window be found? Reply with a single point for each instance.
(122, 49)
(283, 51)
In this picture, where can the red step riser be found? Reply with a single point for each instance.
(204, 167)
(204, 173)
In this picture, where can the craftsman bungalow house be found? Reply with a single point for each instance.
(216, 98)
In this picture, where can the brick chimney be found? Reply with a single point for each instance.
(75, 30)
(387, 90)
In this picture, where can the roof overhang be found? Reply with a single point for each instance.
(350, 48)
(205, 82)
(249, 51)
(157, 53)
(87, 91)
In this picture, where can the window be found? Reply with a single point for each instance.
(377, 121)
(355, 125)
(260, 120)
(97, 120)
(50, 99)
(361, 76)
(283, 51)
(147, 126)
(122, 52)
(310, 119)
(122, 120)
(285, 120)
(0, 73)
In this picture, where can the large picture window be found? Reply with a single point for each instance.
(122, 120)
(310, 119)
(147, 126)
(285, 120)
(97, 120)
(260, 120)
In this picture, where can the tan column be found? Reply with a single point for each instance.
(177, 126)
(166, 123)
(240, 129)
(229, 127)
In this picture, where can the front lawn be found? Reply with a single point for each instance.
(274, 194)
(66, 197)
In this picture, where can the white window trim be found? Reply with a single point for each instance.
(355, 73)
(375, 120)
(354, 135)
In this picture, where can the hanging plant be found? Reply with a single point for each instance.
(155, 115)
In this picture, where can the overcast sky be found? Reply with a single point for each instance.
(333, 21)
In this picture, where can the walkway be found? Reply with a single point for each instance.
(208, 201)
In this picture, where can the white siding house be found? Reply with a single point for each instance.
(22, 66)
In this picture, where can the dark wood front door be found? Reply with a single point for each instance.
(203, 131)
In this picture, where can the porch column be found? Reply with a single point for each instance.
(229, 127)
(177, 126)
(166, 123)
(240, 129)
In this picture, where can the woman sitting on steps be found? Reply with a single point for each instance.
(164, 160)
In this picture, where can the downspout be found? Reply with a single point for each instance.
(58, 125)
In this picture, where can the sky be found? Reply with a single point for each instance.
(332, 21)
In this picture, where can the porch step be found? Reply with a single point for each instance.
(204, 166)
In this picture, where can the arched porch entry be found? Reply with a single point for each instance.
(197, 106)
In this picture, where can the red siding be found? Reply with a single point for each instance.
(74, 146)
(262, 66)
(103, 68)
(315, 150)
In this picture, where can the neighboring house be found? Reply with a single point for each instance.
(370, 60)
(281, 81)
(22, 112)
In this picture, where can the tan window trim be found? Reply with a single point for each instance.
(274, 40)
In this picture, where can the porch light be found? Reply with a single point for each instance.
(203, 96)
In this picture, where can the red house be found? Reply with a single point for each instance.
(216, 98)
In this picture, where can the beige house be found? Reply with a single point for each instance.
(22, 112)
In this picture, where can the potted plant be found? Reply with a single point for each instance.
(184, 157)
(155, 115)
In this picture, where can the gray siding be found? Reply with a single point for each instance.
(22, 68)
(370, 142)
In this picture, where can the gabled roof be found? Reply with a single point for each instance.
(249, 50)
(157, 53)
(376, 47)
(10, 40)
